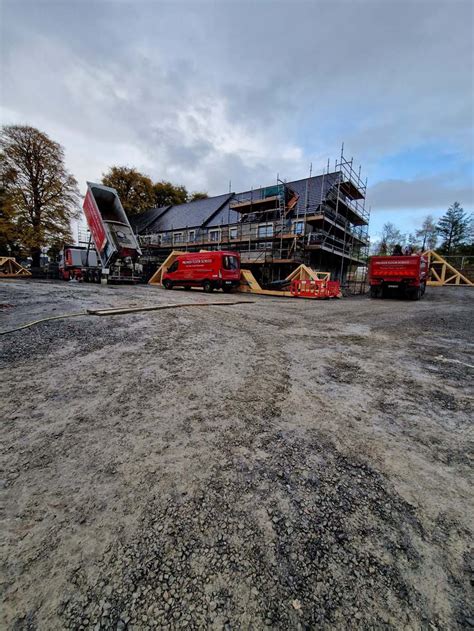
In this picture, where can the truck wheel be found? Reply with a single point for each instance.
(416, 294)
(207, 286)
(374, 292)
(227, 289)
(167, 284)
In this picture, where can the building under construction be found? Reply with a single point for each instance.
(321, 221)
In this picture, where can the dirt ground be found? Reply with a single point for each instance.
(286, 464)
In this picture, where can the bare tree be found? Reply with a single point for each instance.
(42, 195)
(390, 237)
(428, 233)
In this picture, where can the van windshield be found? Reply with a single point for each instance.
(231, 262)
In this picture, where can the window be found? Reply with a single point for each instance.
(191, 235)
(265, 230)
(214, 235)
(230, 262)
(233, 233)
(178, 237)
(298, 227)
(173, 267)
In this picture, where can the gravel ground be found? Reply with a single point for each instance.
(285, 464)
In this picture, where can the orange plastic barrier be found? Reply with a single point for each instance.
(315, 289)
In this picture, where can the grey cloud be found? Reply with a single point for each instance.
(138, 82)
(424, 193)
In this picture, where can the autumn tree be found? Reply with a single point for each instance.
(197, 195)
(9, 237)
(454, 228)
(39, 197)
(428, 234)
(138, 193)
(135, 189)
(167, 194)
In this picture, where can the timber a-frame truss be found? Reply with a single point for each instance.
(9, 268)
(442, 273)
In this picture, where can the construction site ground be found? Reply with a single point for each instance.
(286, 464)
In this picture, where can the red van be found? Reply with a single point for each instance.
(209, 270)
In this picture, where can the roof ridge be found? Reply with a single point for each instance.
(213, 214)
(195, 201)
(313, 177)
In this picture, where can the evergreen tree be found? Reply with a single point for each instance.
(454, 228)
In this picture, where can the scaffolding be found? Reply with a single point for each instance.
(344, 207)
(278, 227)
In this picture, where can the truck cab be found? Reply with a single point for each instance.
(209, 270)
(79, 263)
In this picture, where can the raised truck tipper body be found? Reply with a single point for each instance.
(404, 276)
(115, 244)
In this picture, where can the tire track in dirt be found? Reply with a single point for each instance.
(272, 537)
(212, 502)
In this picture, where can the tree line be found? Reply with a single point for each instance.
(39, 198)
(138, 192)
(452, 235)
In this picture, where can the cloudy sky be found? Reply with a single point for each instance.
(201, 93)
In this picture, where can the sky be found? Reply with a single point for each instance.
(210, 93)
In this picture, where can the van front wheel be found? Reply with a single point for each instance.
(207, 286)
(167, 284)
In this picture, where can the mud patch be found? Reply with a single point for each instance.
(344, 372)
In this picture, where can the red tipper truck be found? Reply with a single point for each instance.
(210, 270)
(404, 275)
(79, 262)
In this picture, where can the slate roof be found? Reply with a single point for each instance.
(318, 188)
(141, 222)
(225, 215)
(193, 214)
(215, 211)
(316, 185)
